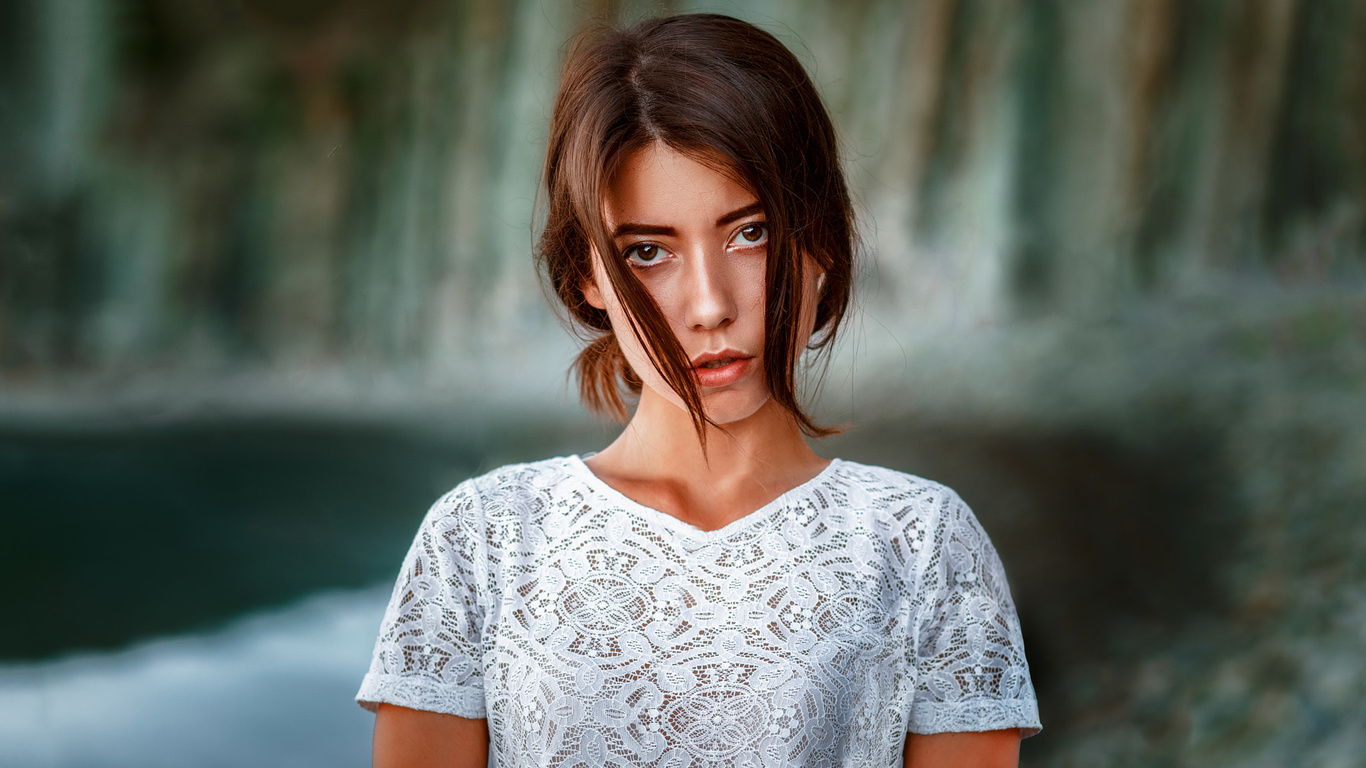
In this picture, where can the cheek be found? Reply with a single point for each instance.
(631, 347)
(610, 303)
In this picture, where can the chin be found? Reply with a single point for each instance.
(726, 406)
(729, 410)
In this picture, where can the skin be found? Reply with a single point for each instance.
(989, 749)
(412, 738)
(707, 275)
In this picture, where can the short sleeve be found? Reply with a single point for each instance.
(429, 652)
(971, 673)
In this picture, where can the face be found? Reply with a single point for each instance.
(697, 241)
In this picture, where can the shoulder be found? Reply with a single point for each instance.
(898, 498)
(938, 537)
(529, 476)
(473, 521)
(925, 523)
(513, 490)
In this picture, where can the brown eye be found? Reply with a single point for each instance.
(644, 254)
(751, 235)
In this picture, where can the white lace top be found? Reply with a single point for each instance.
(817, 630)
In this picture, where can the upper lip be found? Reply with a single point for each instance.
(707, 357)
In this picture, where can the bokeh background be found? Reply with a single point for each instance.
(266, 292)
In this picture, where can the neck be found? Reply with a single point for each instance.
(658, 460)
(662, 435)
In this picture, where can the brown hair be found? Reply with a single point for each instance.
(728, 95)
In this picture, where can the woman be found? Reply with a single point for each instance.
(706, 590)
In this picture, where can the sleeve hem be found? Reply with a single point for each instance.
(421, 693)
(974, 716)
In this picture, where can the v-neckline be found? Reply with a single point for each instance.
(602, 488)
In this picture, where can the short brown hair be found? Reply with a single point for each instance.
(731, 96)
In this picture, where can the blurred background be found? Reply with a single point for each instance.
(266, 292)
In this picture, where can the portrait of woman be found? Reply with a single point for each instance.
(693, 385)
(708, 589)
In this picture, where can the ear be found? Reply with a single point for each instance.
(592, 295)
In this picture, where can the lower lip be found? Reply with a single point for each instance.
(726, 374)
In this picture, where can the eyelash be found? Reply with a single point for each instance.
(647, 264)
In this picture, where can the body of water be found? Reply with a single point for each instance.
(269, 689)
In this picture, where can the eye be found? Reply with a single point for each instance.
(751, 235)
(645, 254)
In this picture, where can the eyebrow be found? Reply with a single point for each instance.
(632, 228)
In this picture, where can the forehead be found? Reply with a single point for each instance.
(659, 185)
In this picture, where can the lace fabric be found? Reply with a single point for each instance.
(817, 630)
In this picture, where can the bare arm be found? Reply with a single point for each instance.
(988, 749)
(411, 738)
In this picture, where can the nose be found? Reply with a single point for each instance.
(711, 296)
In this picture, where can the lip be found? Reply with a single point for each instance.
(724, 375)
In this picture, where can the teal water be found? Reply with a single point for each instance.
(272, 688)
(120, 533)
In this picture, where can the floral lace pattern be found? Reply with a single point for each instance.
(817, 630)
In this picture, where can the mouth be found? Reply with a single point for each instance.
(721, 359)
(720, 369)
